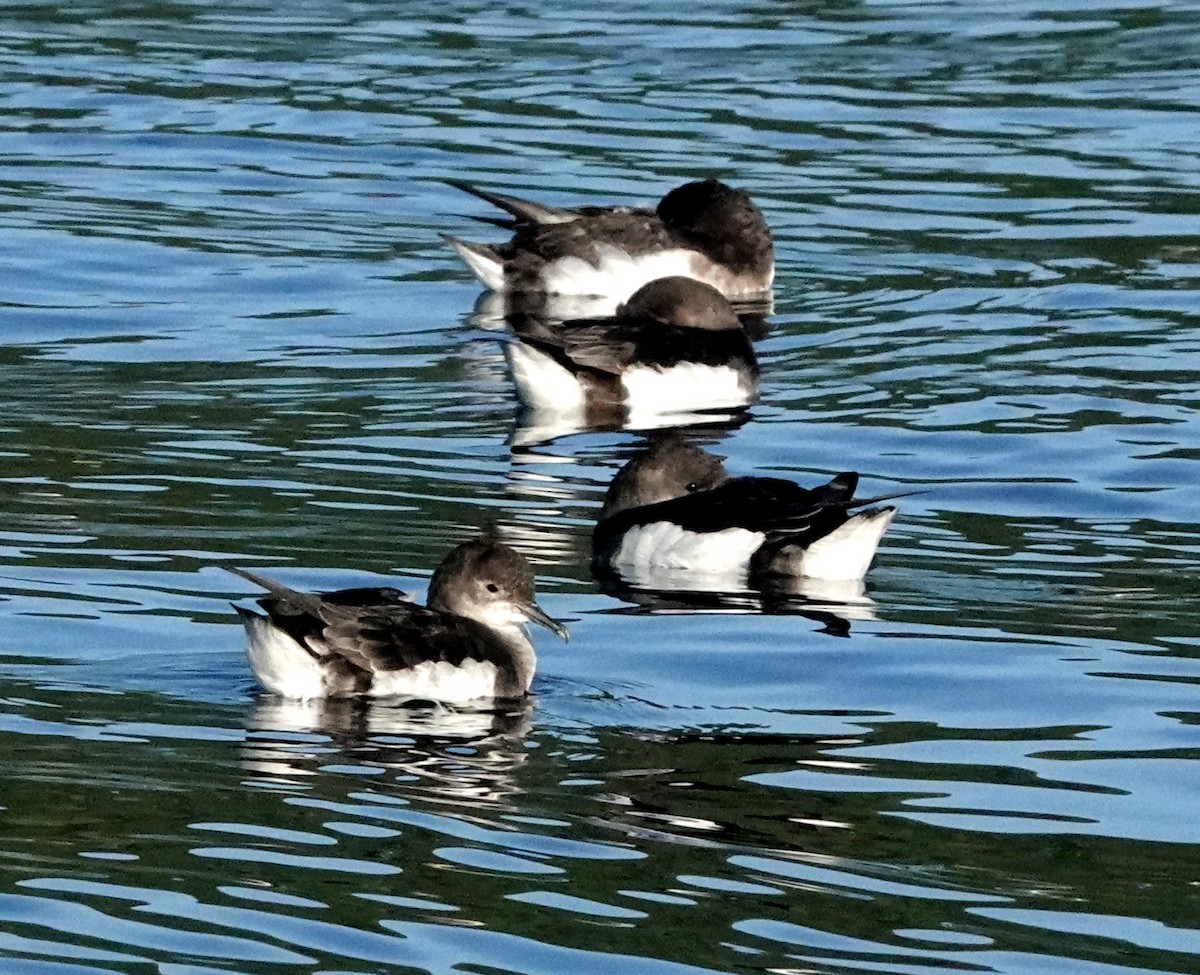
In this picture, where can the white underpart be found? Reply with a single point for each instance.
(654, 394)
(661, 555)
(665, 543)
(285, 668)
(654, 397)
(542, 383)
(845, 553)
(615, 272)
(438, 681)
(280, 664)
(553, 398)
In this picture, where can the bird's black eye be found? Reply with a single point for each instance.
(492, 587)
(693, 487)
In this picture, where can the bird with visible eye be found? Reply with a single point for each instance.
(468, 642)
(673, 507)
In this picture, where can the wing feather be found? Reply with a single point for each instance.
(525, 211)
(377, 630)
(776, 507)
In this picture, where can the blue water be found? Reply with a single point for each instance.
(231, 335)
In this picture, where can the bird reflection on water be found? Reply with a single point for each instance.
(835, 611)
(456, 755)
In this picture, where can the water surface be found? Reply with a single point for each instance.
(231, 335)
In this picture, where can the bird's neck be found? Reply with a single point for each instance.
(523, 655)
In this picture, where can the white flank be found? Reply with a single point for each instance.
(845, 553)
(654, 397)
(685, 388)
(280, 664)
(283, 667)
(615, 272)
(662, 555)
(438, 681)
(665, 545)
(552, 396)
(542, 384)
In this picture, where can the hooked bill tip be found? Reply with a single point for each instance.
(536, 614)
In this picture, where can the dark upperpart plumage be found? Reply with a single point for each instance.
(674, 482)
(680, 302)
(721, 221)
(664, 323)
(780, 509)
(718, 224)
(363, 640)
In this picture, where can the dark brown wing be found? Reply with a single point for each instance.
(533, 246)
(776, 507)
(399, 636)
(520, 210)
(609, 346)
(377, 630)
(601, 347)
